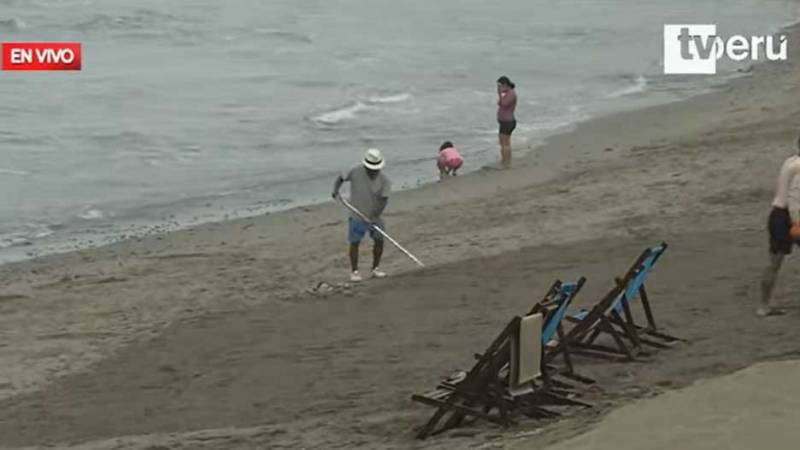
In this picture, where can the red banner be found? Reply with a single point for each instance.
(41, 56)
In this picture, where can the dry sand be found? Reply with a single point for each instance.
(199, 339)
(756, 408)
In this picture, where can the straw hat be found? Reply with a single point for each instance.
(373, 159)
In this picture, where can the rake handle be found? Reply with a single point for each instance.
(379, 230)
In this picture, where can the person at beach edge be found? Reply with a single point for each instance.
(449, 160)
(369, 194)
(779, 225)
(506, 104)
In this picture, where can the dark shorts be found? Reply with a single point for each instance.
(356, 230)
(507, 127)
(779, 224)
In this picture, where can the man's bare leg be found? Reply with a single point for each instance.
(768, 283)
(354, 257)
(377, 252)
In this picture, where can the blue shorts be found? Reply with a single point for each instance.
(356, 230)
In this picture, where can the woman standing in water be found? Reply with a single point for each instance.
(506, 103)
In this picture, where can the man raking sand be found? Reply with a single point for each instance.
(369, 195)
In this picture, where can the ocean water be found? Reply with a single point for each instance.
(193, 111)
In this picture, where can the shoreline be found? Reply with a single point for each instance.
(87, 236)
(93, 238)
(698, 173)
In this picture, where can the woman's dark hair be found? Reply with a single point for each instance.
(447, 144)
(506, 82)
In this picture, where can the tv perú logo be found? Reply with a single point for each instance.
(695, 49)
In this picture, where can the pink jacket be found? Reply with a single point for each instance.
(450, 158)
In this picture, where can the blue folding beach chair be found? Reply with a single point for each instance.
(616, 319)
(554, 306)
(636, 286)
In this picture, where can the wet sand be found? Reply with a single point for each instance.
(337, 372)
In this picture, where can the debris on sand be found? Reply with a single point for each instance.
(324, 289)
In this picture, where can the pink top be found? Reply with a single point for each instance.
(450, 158)
(506, 106)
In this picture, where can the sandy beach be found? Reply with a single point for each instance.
(711, 414)
(209, 338)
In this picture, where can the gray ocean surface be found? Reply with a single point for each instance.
(194, 111)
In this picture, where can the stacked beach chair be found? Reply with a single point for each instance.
(516, 375)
